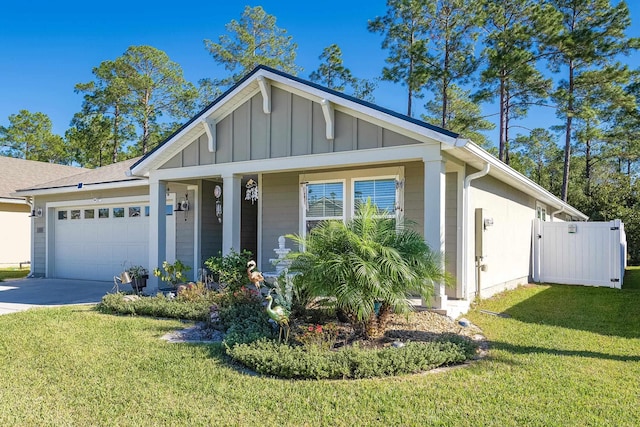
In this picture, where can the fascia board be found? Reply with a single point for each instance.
(516, 179)
(86, 187)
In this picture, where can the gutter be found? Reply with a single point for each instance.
(466, 226)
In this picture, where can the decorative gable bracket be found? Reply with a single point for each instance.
(265, 90)
(210, 129)
(328, 112)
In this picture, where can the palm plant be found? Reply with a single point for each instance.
(365, 261)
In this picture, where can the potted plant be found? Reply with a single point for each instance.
(171, 274)
(139, 276)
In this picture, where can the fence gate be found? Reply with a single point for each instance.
(579, 253)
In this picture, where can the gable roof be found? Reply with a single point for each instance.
(248, 85)
(20, 173)
(114, 175)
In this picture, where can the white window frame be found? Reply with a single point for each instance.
(541, 212)
(349, 177)
(395, 213)
(306, 218)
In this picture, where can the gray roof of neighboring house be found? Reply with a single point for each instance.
(116, 172)
(20, 173)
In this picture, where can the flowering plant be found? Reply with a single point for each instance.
(172, 273)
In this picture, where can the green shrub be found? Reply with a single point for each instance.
(243, 317)
(230, 270)
(158, 306)
(282, 360)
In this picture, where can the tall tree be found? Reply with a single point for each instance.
(463, 115)
(589, 34)
(405, 37)
(109, 96)
(536, 155)
(29, 136)
(157, 87)
(252, 41)
(333, 74)
(453, 30)
(511, 75)
(89, 137)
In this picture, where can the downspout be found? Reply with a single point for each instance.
(466, 226)
(553, 214)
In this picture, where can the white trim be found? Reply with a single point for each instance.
(87, 188)
(209, 125)
(195, 208)
(328, 113)
(519, 181)
(265, 90)
(258, 255)
(16, 201)
(320, 180)
(371, 157)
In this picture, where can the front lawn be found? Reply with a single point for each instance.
(566, 356)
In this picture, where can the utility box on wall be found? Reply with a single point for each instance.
(480, 237)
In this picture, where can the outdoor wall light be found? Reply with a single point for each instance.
(37, 213)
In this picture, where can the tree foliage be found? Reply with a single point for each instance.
(253, 40)
(29, 136)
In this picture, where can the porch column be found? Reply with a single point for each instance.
(231, 205)
(157, 231)
(434, 203)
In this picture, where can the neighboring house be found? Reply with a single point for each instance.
(315, 154)
(15, 211)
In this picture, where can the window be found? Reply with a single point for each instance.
(541, 212)
(118, 212)
(103, 213)
(324, 201)
(134, 211)
(89, 214)
(382, 193)
(146, 211)
(338, 195)
(75, 214)
(62, 214)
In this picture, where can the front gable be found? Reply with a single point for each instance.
(295, 127)
(271, 115)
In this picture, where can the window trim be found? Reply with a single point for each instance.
(349, 177)
(305, 218)
(394, 213)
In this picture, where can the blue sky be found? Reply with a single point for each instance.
(49, 46)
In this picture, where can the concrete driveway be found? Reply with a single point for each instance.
(22, 294)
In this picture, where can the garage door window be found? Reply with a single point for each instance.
(118, 212)
(103, 213)
(89, 213)
(75, 214)
(134, 211)
(62, 214)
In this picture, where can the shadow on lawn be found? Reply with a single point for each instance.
(520, 349)
(601, 310)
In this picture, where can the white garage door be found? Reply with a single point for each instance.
(97, 242)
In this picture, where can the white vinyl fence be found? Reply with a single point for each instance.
(579, 253)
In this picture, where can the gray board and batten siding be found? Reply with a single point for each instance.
(295, 127)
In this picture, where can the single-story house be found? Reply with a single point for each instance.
(274, 155)
(16, 211)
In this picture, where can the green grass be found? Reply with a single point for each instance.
(13, 273)
(568, 355)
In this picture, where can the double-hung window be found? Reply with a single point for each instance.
(324, 201)
(337, 196)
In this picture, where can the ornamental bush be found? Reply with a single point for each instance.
(158, 306)
(312, 362)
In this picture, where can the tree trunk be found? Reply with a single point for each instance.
(384, 315)
(567, 136)
(116, 117)
(503, 119)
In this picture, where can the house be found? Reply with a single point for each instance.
(15, 211)
(314, 154)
